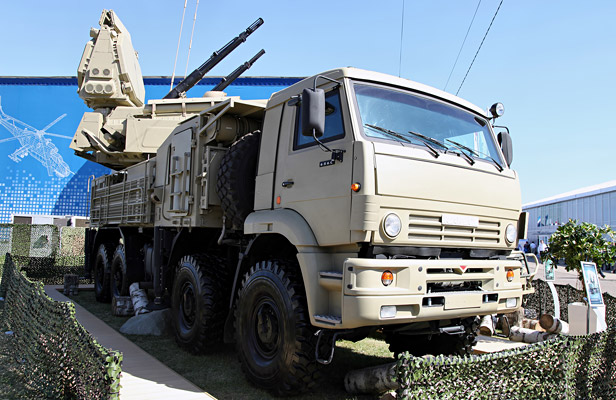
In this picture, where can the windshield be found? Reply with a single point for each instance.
(409, 114)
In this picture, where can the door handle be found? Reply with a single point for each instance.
(287, 184)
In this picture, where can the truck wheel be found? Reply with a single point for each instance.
(102, 264)
(119, 276)
(235, 183)
(275, 341)
(200, 303)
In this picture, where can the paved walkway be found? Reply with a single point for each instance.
(143, 376)
(563, 277)
(493, 344)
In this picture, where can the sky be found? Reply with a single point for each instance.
(551, 63)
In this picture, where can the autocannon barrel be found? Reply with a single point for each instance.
(195, 76)
(227, 80)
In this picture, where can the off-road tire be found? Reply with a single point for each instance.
(101, 273)
(274, 338)
(200, 303)
(121, 275)
(235, 183)
(119, 279)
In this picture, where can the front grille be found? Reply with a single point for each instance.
(444, 270)
(453, 286)
(429, 228)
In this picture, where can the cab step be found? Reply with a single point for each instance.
(328, 319)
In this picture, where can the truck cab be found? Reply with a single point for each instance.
(408, 208)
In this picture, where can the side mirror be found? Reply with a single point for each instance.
(313, 112)
(504, 139)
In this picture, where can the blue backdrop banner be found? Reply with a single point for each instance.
(40, 175)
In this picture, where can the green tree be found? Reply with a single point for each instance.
(575, 242)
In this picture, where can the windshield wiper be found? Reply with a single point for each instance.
(400, 136)
(430, 139)
(395, 134)
(462, 152)
(473, 152)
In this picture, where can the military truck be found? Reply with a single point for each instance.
(348, 202)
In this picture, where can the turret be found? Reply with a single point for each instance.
(122, 130)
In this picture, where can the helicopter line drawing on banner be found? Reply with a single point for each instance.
(35, 142)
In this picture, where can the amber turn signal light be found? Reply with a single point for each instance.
(356, 187)
(509, 275)
(387, 278)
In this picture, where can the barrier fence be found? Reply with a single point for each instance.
(567, 367)
(60, 359)
(44, 252)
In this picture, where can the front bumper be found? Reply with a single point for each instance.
(425, 290)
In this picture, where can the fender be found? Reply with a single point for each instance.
(285, 222)
(292, 226)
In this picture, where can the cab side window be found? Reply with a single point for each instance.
(334, 128)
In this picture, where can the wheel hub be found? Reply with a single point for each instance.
(118, 279)
(188, 305)
(267, 328)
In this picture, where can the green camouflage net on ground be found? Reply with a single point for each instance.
(575, 367)
(567, 367)
(58, 357)
(45, 252)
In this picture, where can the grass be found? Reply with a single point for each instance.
(220, 374)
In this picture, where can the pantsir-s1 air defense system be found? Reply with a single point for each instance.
(348, 202)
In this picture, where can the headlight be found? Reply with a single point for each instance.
(511, 233)
(392, 225)
(497, 110)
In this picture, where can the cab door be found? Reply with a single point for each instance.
(306, 179)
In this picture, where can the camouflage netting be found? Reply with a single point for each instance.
(45, 252)
(567, 367)
(59, 358)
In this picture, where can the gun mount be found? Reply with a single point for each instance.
(122, 130)
(227, 80)
(191, 80)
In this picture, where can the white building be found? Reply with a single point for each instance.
(594, 204)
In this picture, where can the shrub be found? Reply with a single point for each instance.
(575, 243)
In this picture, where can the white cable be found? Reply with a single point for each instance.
(461, 47)
(191, 38)
(178, 48)
(481, 44)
